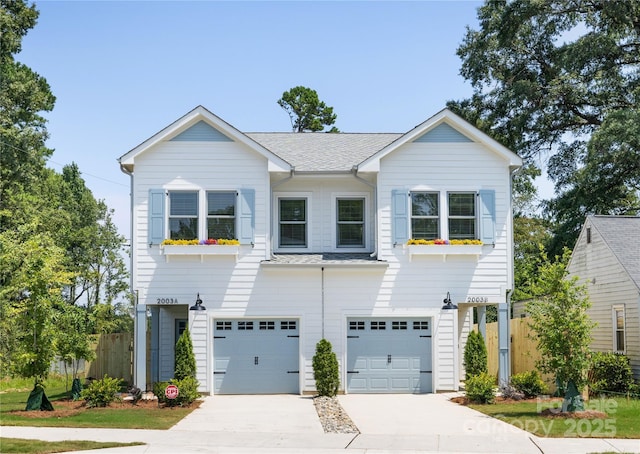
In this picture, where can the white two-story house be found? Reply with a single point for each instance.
(322, 223)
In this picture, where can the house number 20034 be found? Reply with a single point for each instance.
(477, 299)
(167, 301)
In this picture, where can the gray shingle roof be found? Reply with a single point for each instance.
(323, 152)
(622, 235)
(324, 259)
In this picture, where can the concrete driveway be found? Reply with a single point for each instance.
(397, 423)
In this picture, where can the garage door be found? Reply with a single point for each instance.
(389, 355)
(252, 356)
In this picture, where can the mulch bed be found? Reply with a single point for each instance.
(547, 412)
(66, 408)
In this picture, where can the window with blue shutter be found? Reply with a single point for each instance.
(156, 216)
(246, 215)
(487, 215)
(399, 216)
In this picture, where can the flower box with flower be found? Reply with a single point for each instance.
(200, 248)
(444, 247)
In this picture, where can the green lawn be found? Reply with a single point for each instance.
(122, 416)
(19, 445)
(622, 421)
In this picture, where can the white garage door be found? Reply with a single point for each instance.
(389, 355)
(253, 356)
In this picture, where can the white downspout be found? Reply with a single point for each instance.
(354, 171)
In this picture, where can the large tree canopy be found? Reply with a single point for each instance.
(561, 79)
(58, 244)
(306, 111)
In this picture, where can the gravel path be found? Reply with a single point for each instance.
(333, 417)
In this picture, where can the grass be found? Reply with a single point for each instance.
(622, 418)
(124, 416)
(19, 445)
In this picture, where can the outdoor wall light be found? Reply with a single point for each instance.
(198, 306)
(447, 303)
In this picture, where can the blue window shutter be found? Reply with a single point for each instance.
(488, 215)
(156, 216)
(246, 215)
(400, 216)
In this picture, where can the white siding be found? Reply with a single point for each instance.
(322, 194)
(608, 284)
(321, 298)
(445, 168)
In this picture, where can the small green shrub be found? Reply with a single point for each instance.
(325, 369)
(529, 383)
(610, 372)
(475, 355)
(187, 391)
(100, 393)
(184, 358)
(480, 388)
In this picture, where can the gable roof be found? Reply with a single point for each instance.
(319, 152)
(455, 122)
(622, 236)
(195, 118)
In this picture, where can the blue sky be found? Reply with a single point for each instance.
(123, 70)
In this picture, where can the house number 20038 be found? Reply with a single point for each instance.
(477, 299)
(167, 301)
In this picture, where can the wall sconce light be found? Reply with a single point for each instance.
(447, 303)
(198, 306)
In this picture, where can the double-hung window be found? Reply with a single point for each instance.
(350, 222)
(183, 215)
(292, 219)
(618, 329)
(221, 215)
(462, 215)
(425, 215)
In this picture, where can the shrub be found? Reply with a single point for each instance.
(185, 358)
(480, 388)
(325, 369)
(475, 355)
(610, 372)
(101, 393)
(187, 391)
(529, 383)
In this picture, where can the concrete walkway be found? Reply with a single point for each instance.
(426, 423)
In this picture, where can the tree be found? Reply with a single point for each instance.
(561, 78)
(558, 316)
(306, 111)
(32, 275)
(185, 358)
(325, 369)
(23, 96)
(475, 355)
(73, 344)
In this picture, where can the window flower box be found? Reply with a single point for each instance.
(202, 248)
(444, 248)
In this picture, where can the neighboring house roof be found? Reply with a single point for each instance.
(622, 236)
(321, 151)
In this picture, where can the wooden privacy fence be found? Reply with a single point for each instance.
(114, 357)
(524, 350)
